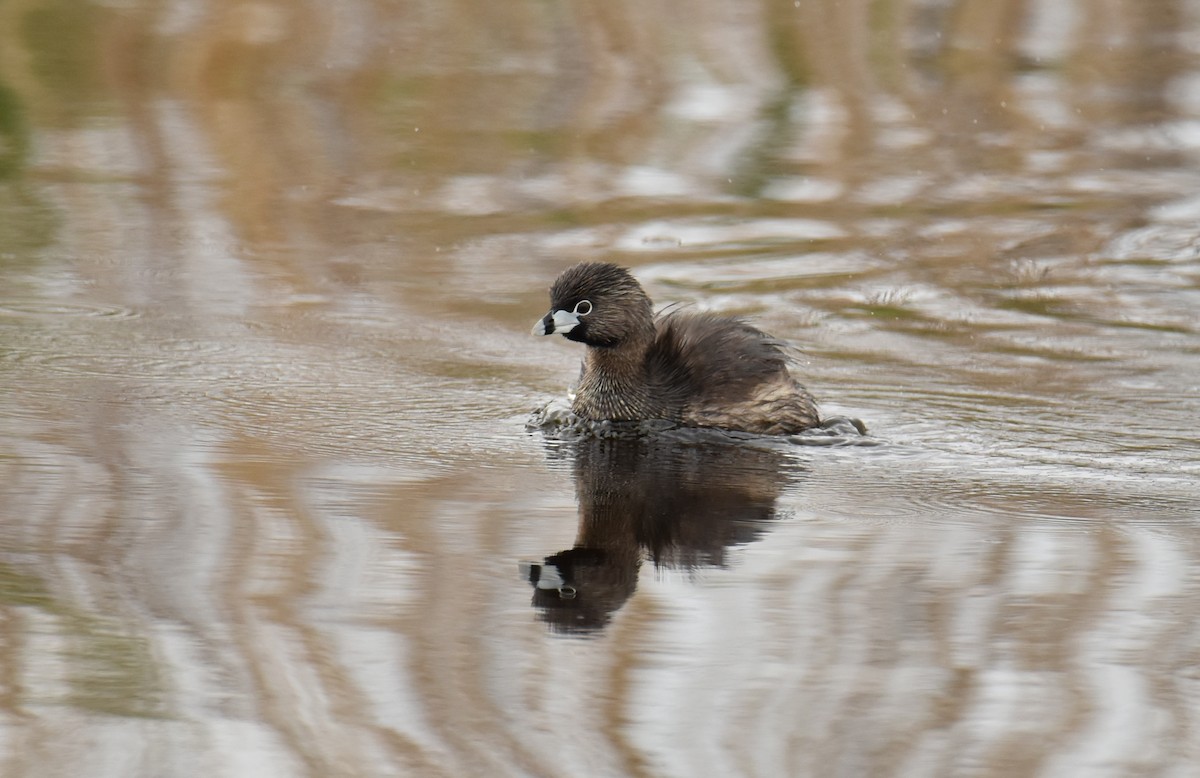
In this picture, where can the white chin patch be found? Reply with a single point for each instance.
(565, 321)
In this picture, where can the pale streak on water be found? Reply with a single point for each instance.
(266, 275)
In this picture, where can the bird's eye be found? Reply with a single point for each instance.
(583, 308)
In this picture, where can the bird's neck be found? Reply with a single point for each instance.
(614, 384)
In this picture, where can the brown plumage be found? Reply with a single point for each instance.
(695, 369)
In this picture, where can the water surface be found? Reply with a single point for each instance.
(267, 273)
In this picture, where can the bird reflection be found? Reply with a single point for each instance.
(678, 504)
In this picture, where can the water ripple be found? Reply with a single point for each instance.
(36, 308)
(556, 421)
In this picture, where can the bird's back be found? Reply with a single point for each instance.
(721, 372)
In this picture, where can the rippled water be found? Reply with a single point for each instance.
(270, 503)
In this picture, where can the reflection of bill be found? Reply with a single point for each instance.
(677, 503)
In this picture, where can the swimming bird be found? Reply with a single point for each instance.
(692, 368)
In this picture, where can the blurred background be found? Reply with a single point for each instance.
(267, 273)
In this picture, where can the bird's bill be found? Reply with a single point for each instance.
(561, 322)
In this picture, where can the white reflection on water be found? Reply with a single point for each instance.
(728, 235)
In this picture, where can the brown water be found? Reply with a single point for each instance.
(267, 273)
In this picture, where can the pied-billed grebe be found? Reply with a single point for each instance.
(695, 369)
